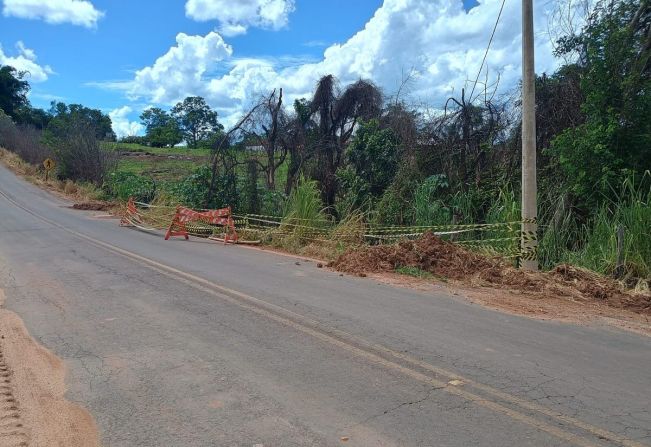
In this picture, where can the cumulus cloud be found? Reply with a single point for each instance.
(182, 69)
(235, 17)
(77, 12)
(25, 61)
(121, 124)
(438, 42)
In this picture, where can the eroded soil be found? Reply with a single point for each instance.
(564, 293)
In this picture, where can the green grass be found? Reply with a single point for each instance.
(168, 167)
(134, 147)
(160, 170)
(631, 209)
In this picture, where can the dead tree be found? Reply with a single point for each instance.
(221, 156)
(272, 121)
(337, 114)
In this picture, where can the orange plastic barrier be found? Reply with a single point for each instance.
(184, 216)
(131, 215)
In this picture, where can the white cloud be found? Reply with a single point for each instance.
(121, 124)
(77, 12)
(437, 41)
(182, 69)
(25, 61)
(236, 16)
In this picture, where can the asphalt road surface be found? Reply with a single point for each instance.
(193, 343)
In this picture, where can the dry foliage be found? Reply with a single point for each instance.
(445, 259)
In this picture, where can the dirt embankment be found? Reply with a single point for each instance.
(33, 410)
(564, 285)
(94, 206)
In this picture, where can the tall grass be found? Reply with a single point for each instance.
(429, 208)
(304, 211)
(631, 209)
(506, 208)
(559, 231)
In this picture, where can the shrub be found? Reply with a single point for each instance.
(123, 185)
(429, 208)
(272, 203)
(69, 187)
(133, 139)
(373, 154)
(80, 156)
(25, 141)
(395, 205)
(353, 193)
(193, 190)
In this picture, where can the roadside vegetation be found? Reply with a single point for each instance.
(348, 158)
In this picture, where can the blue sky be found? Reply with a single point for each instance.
(124, 56)
(131, 34)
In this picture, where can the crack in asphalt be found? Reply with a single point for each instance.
(395, 408)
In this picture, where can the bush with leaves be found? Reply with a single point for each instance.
(124, 185)
(395, 205)
(373, 154)
(428, 203)
(353, 193)
(615, 140)
(193, 190)
(272, 203)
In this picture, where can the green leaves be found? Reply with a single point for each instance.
(13, 90)
(196, 120)
(125, 184)
(161, 128)
(373, 154)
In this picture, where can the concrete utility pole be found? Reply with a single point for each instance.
(529, 242)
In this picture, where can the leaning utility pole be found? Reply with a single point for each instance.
(529, 239)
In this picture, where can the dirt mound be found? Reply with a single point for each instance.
(92, 206)
(428, 253)
(441, 258)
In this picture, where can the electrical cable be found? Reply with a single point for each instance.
(481, 67)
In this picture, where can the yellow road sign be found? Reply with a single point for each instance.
(49, 164)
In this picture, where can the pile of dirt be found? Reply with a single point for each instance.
(93, 206)
(445, 259)
(428, 253)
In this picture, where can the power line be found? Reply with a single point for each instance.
(481, 67)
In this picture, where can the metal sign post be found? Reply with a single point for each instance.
(48, 164)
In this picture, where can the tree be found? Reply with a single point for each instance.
(300, 133)
(615, 61)
(13, 90)
(161, 129)
(373, 154)
(196, 120)
(269, 128)
(65, 117)
(337, 115)
(31, 116)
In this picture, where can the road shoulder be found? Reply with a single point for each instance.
(33, 409)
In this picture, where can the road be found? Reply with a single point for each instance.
(193, 343)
